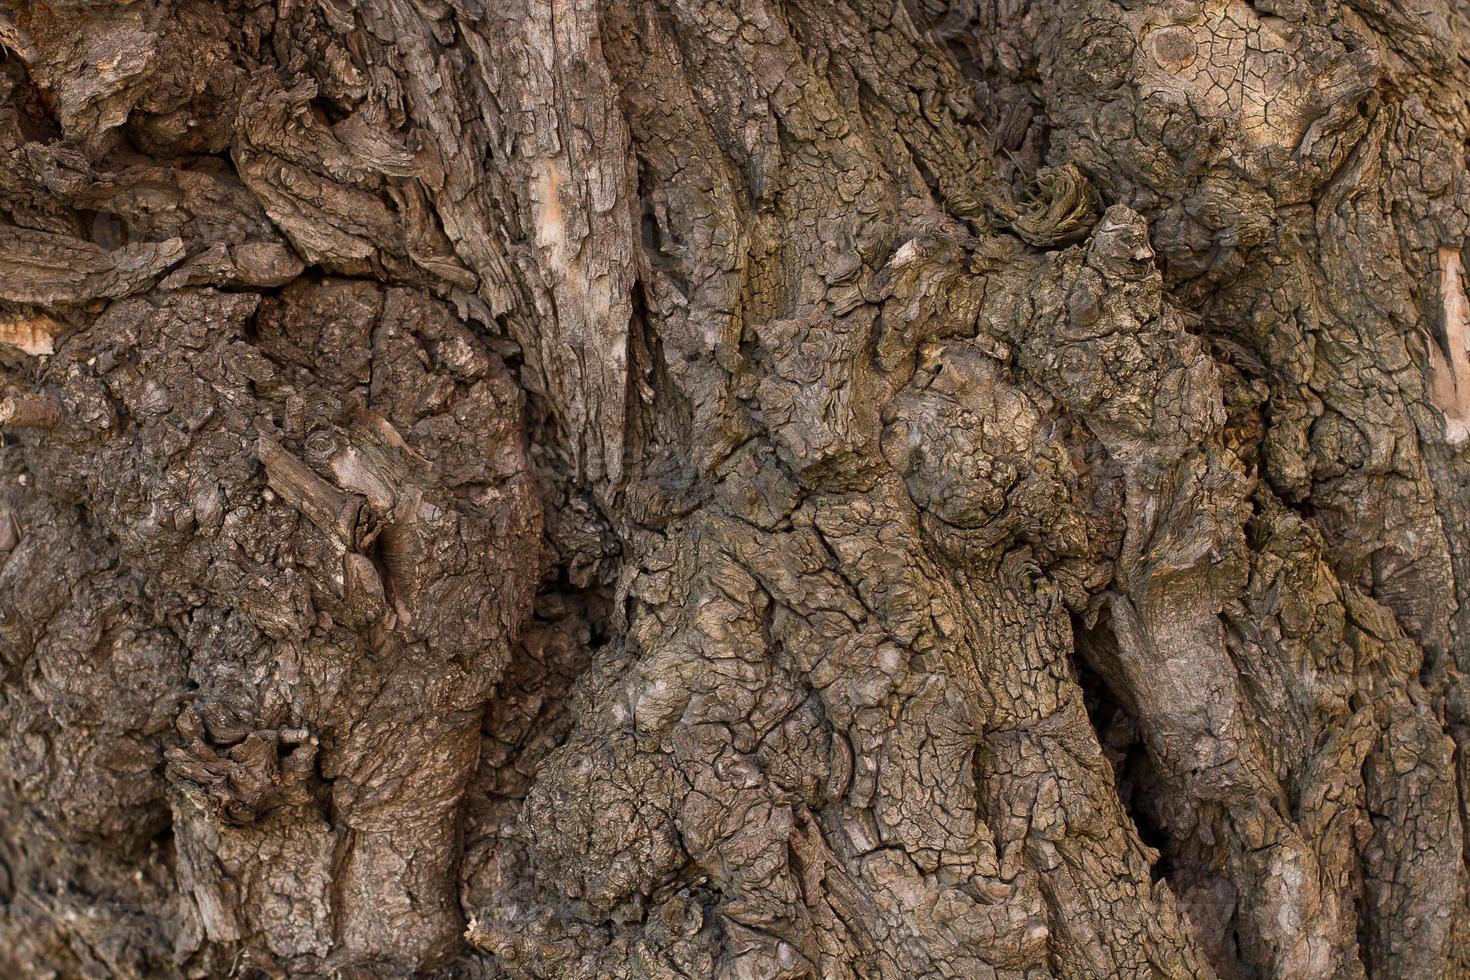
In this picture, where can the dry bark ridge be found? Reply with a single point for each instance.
(734, 488)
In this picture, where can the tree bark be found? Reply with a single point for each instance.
(734, 488)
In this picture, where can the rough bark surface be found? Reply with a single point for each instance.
(734, 488)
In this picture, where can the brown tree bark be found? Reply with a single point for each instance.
(734, 488)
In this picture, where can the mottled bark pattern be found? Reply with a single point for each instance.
(734, 488)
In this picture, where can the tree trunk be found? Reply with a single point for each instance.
(734, 488)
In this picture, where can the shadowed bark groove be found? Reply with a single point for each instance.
(734, 488)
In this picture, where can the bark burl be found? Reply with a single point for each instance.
(734, 489)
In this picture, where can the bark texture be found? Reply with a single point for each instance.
(734, 489)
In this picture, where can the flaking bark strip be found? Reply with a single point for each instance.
(29, 412)
(329, 508)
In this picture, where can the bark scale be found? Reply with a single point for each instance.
(697, 488)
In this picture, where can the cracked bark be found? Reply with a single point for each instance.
(696, 488)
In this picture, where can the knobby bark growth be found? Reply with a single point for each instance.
(734, 488)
